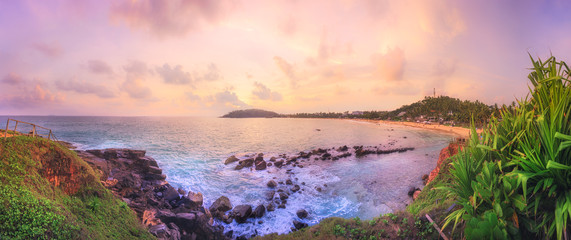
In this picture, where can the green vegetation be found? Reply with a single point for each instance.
(515, 180)
(31, 207)
(390, 226)
(435, 109)
(251, 113)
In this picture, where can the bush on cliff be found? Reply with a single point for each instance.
(514, 180)
(48, 192)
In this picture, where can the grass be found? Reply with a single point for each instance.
(33, 207)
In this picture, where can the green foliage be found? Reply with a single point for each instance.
(338, 230)
(516, 176)
(357, 220)
(33, 208)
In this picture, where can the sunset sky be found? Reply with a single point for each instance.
(205, 58)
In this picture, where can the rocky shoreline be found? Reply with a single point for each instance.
(167, 212)
(171, 213)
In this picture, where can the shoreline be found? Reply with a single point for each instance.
(459, 132)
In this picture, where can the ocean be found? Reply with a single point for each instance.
(191, 151)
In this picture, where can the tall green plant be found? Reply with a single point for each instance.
(518, 173)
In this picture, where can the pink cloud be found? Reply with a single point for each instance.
(51, 50)
(169, 18)
(390, 66)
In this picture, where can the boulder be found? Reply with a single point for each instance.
(295, 188)
(241, 213)
(279, 163)
(196, 198)
(271, 207)
(289, 182)
(185, 220)
(160, 231)
(302, 213)
(283, 196)
(259, 211)
(415, 194)
(171, 194)
(231, 159)
(272, 184)
(411, 191)
(299, 225)
(270, 195)
(246, 162)
(261, 165)
(222, 204)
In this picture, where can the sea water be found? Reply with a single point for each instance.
(191, 151)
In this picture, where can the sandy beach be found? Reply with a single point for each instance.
(458, 131)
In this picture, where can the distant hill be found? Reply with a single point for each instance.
(251, 113)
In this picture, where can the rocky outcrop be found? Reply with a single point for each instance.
(167, 212)
(451, 150)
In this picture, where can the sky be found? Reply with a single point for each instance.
(205, 58)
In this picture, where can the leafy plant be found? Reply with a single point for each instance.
(517, 173)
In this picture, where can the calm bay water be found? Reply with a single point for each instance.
(191, 152)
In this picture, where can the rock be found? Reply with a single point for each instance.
(295, 188)
(415, 194)
(411, 191)
(299, 225)
(318, 189)
(259, 211)
(222, 204)
(238, 167)
(231, 159)
(181, 191)
(283, 196)
(261, 165)
(171, 194)
(160, 231)
(166, 216)
(289, 182)
(227, 219)
(196, 198)
(272, 184)
(241, 213)
(270, 195)
(302, 213)
(186, 220)
(281, 206)
(246, 162)
(343, 149)
(271, 207)
(279, 163)
(272, 159)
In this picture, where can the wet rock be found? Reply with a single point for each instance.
(238, 167)
(270, 195)
(272, 184)
(343, 149)
(259, 211)
(272, 159)
(283, 196)
(318, 189)
(271, 207)
(225, 218)
(222, 204)
(171, 194)
(196, 198)
(295, 188)
(246, 162)
(241, 213)
(299, 225)
(279, 163)
(281, 206)
(261, 165)
(231, 159)
(302, 213)
(289, 182)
